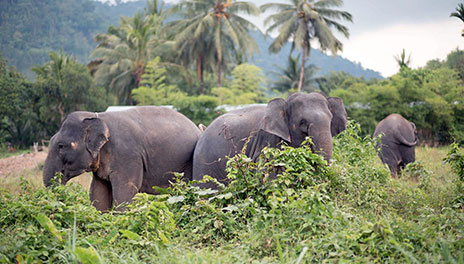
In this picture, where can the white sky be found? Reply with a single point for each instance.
(382, 28)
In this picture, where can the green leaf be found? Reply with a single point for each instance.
(46, 223)
(86, 255)
(230, 208)
(161, 190)
(163, 238)
(130, 235)
(111, 237)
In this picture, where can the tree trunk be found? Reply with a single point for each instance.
(302, 66)
(61, 110)
(219, 73)
(200, 73)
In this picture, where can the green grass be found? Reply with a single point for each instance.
(349, 212)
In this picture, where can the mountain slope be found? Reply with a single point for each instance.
(31, 29)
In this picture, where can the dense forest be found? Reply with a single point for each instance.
(26, 38)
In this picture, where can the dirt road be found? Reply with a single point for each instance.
(15, 164)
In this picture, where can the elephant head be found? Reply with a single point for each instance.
(339, 119)
(75, 148)
(294, 119)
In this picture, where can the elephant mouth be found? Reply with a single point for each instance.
(69, 174)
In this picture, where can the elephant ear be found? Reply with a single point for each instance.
(339, 116)
(413, 127)
(96, 135)
(272, 129)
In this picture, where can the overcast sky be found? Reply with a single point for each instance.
(382, 28)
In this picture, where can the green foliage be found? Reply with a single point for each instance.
(416, 171)
(17, 117)
(153, 89)
(244, 88)
(59, 225)
(429, 97)
(200, 109)
(301, 21)
(121, 55)
(287, 206)
(27, 38)
(221, 35)
(288, 77)
(64, 86)
(455, 158)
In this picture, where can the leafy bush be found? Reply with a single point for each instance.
(455, 158)
(60, 225)
(363, 179)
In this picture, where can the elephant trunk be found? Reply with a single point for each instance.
(322, 141)
(53, 164)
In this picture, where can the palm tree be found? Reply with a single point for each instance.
(212, 33)
(122, 53)
(289, 76)
(52, 72)
(303, 20)
(459, 14)
(402, 61)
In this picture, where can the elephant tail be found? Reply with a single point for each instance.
(406, 142)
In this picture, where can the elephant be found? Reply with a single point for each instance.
(289, 121)
(340, 118)
(127, 151)
(398, 141)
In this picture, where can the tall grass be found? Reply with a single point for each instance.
(351, 211)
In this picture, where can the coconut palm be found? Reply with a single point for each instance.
(402, 61)
(459, 14)
(212, 33)
(289, 76)
(304, 20)
(122, 53)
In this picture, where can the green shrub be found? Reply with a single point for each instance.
(59, 224)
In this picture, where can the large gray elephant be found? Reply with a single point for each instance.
(398, 141)
(289, 121)
(128, 151)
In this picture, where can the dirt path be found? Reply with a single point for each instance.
(15, 164)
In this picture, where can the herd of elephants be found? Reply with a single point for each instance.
(133, 150)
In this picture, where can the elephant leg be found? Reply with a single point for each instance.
(101, 194)
(388, 158)
(394, 169)
(126, 184)
(188, 171)
(408, 154)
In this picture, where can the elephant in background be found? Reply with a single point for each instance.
(340, 118)
(128, 151)
(289, 121)
(398, 141)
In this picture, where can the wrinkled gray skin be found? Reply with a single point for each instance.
(290, 120)
(398, 141)
(128, 151)
(339, 120)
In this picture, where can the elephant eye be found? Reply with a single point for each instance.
(61, 146)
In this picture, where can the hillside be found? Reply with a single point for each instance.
(26, 38)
